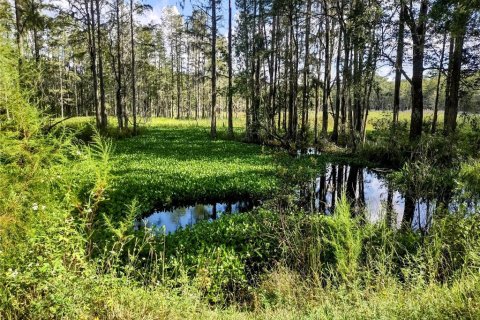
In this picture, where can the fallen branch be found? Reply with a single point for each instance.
(48, 128)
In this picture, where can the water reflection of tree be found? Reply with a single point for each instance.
(176, 215)
(321, 196)
(200, 212)
(338, 179)
(389, 217)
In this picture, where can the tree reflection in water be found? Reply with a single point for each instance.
(369, 194)
(181, 217)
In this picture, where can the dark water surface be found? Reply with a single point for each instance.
(367, 190)
(371, 195)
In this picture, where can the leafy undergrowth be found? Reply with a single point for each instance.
(389, 145)
(171, 164)
(228, 260)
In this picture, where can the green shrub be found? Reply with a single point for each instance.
(387, 144)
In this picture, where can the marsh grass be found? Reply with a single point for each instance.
(174, 162)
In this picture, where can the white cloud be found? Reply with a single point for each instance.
(155, 15)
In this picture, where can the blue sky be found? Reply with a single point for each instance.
(158, 6)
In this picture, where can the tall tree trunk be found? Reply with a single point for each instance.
(306, 72)
(19, 35)
(36, 44)
(291, 95)
(103, 110)
(276, 71)
(399, 64)
(272, 71)
(178, 76)
(253, 132)
(292, 110)
(93, 57)
(61, 62)
(338, 91)
(118, 92)
(230, 72)
(295, 33)
(371, 66)
(326, 79)
(439, 77)
(418, 35)
(454, 72)
(346, 84)
(317, 102)
(417, 93)
(188, 83)
(132, 53)
(213, 122)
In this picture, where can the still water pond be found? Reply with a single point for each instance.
(367, 190)
(371, 194)
(181, 217)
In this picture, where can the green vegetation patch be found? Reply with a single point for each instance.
(172, 163)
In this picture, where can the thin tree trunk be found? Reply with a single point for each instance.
(19, 35)
(230, 71)
(213, 123)
(326, 79)
(338, 91)
(61, 84)
(36, 45)
(188, 81)
(439, 78)
(178, 56)
(103, 110)
(346, 112)
(398, 64)
(306, 71)
(118, 92)
(315, 130)
(93, 57)
(132, 47)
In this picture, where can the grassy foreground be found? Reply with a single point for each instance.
(264, 265)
